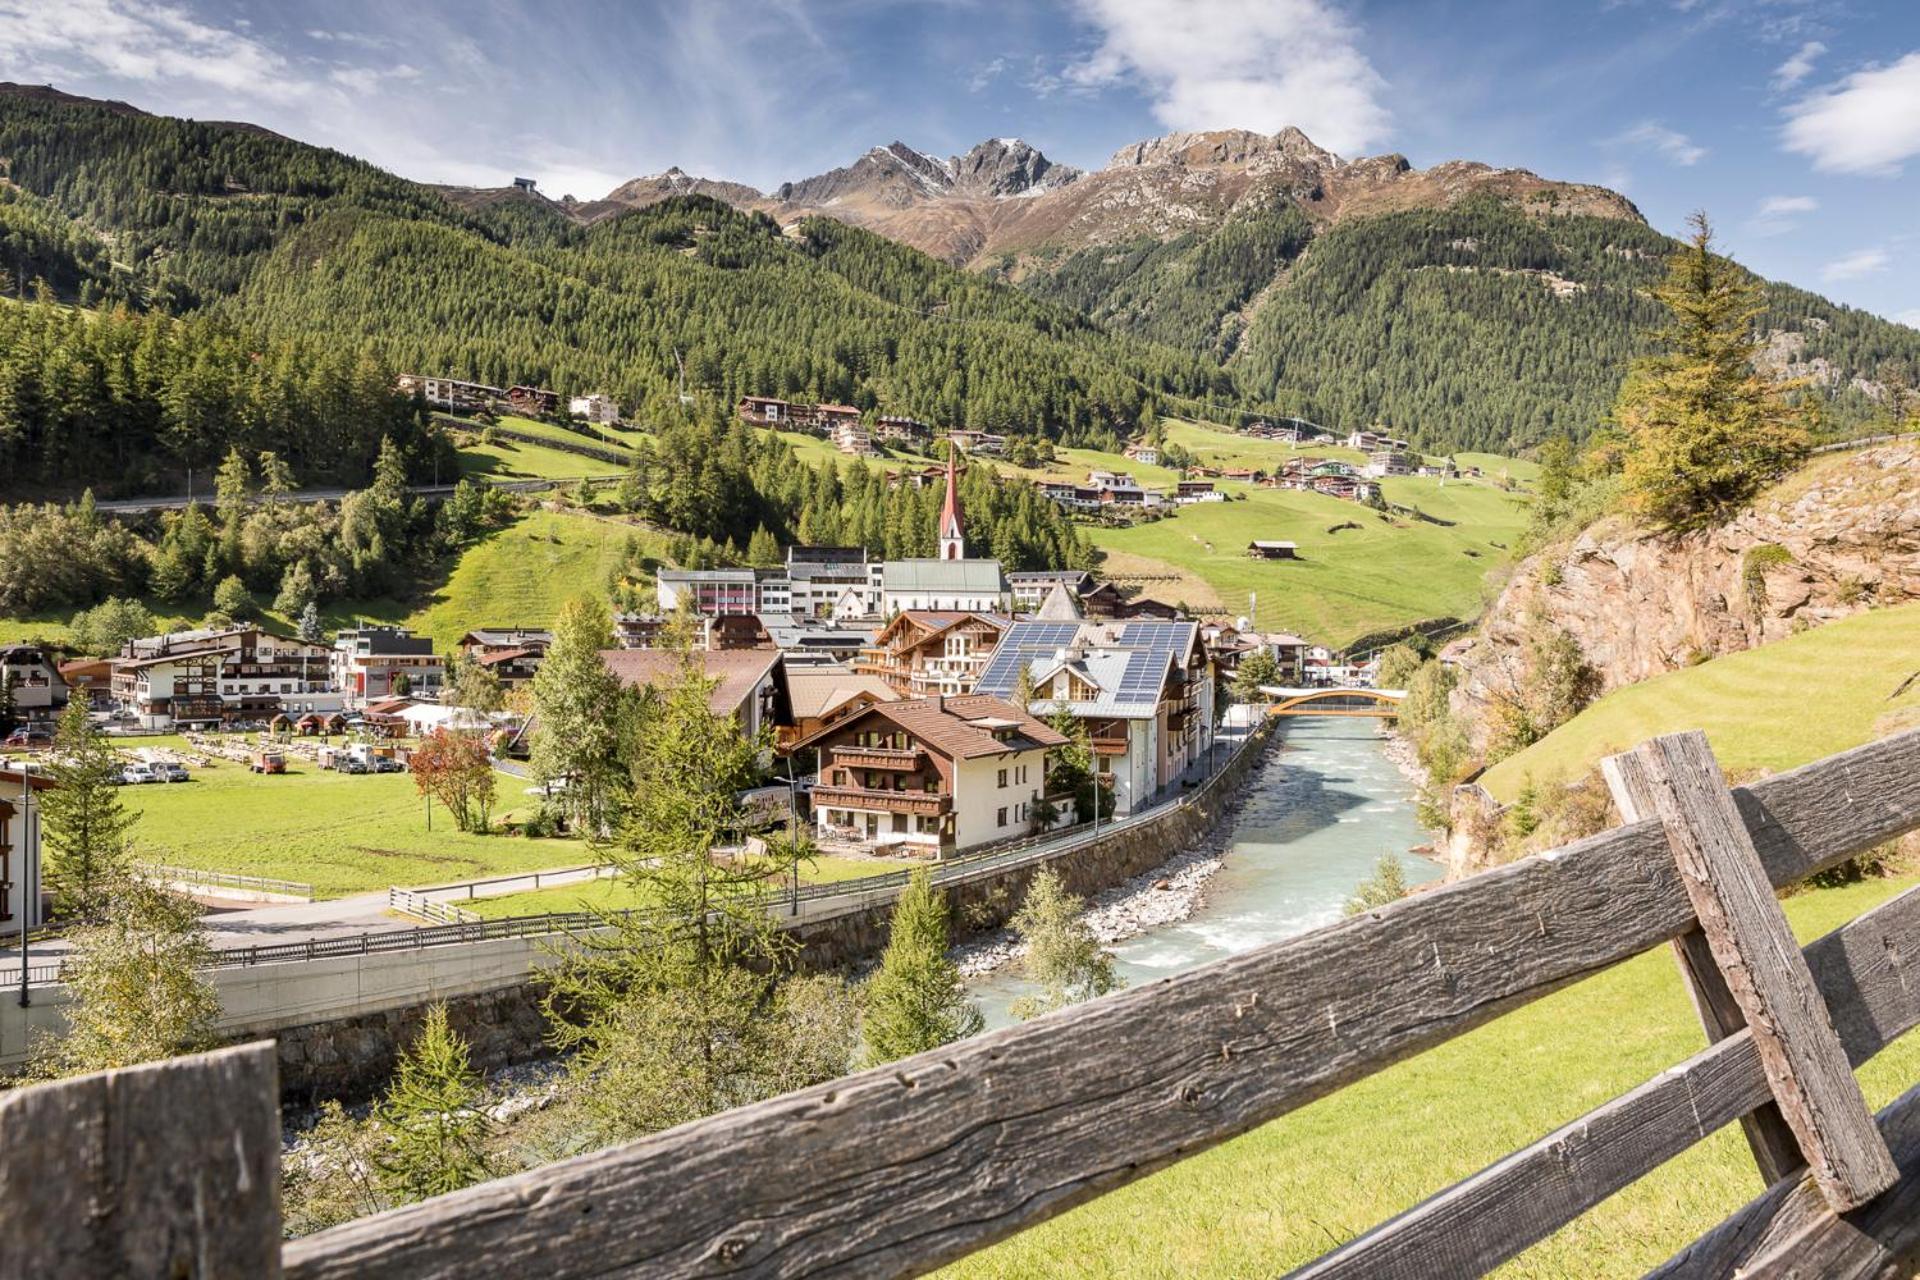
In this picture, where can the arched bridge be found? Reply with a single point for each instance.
(1379, 704)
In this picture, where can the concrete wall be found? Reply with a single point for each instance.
(341, 1021)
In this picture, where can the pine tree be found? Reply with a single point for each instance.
(436, 1126)
(762, 551)
(1705, 430)
(86, 826)
(916, 1001)
(1256, 669)
(579, 705)
(1387, 884)
(232, 598)
(1062, 955)
(311, 630)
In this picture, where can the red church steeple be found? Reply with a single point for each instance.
(953, 542)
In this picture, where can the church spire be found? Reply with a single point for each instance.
(953, 540)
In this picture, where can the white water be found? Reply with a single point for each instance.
(1323, 808)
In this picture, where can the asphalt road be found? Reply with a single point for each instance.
(135, 505)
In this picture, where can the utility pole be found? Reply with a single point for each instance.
(27, 883)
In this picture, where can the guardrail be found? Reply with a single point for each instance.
(227, 880)
(414, 903)
(928, 1159)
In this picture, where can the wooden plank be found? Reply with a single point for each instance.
(1789, 1233)
(1774, 1148)
(1754, 948)
(1864, 971)
(896, 1170)
(171, 1169)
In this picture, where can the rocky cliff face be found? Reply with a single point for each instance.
(1841, 536)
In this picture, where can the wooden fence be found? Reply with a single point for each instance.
(168, 1169)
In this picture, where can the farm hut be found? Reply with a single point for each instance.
(1262, 550)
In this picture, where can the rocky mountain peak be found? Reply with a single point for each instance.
(1221, 147)
(1008, 167)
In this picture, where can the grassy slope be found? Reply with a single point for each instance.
(1284, 1193)
(1750, 703)
(1383, 573)
(341, 833)
(519, 460)
(521, 574)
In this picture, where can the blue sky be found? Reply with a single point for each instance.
(1795, 123)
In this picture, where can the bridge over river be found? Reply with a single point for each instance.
(1377, 704)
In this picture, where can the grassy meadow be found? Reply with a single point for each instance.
(1771, 708)
(1358, 569)
(341, 833)
(612, 894)
(1289, 1190)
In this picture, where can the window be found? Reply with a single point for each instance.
(1003, 780)
(1000, 819)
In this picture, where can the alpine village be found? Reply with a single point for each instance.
(1240, 711)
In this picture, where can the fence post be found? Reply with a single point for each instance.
(1771, 1141)
(166, 1169)
(1754, 949)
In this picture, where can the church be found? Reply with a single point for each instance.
(949, 582)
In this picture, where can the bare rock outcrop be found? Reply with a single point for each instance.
(1841, 536)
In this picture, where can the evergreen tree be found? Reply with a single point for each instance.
(435, 1124)
(86, 825)
(916, 1001)
(1062, 955)
(1387, 884)
(579, 704)
(311, 630)
(1255, 670)
(9, 704)
(232, 598)
(1705, 431)
(135, 987)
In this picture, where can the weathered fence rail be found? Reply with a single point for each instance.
(896, 1170)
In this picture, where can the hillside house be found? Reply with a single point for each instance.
(1245, 475)
(1147, 608)
(90, 678)
(748, 685)
(534, 402)
(981, 442)
(451, 394)
(638, 630)
(1144, 690)
(512, 654)
(931, 776)
(1145, 454)
(206, 676)
(923, 652)
(766, 411)
(1390, 462)
(850, 436)
(909, 433)
(1259, 549)
(1031, 586)
(21, 787)
(594, 409)
(39, 690)
(1104, 601)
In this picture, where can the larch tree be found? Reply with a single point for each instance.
(86, 825)
(578, 703)
(916, 1000)
(679, 1011)
(1062, 956)
(434, 1120)
(1705, 430)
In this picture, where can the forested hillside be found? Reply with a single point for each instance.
(289, 239)
(1475, 326)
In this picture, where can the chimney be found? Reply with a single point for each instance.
(940, 702)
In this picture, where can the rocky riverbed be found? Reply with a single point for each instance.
(1170, 892)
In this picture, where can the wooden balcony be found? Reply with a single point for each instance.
(915, 802)
(880, 757)
(1109, 744)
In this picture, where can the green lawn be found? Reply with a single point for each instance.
(1286, 1192)
(341, 833)
(1347, 581)
(1770, 708)
(612, 893)
(1218, 447)
(518, 460)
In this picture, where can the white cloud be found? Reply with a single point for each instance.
(1868, 123)
(137, 41)
(1798, 67)
(986, 75)
(1671, 143)
(1778, 215)
(1862, 262)
(1248, 64)
(1910, 317)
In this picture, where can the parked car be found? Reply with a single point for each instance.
(268, 762)
(387, 764)
(345, 763)
(31, 736)
(134, 774)
(172, 772)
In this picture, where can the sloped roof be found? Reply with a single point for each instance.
(955, 727)
(737, 671)
(961, 576)
(1059, 606)
(820, 692)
